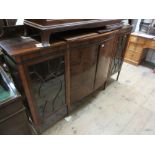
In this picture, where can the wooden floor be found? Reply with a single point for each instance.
(127, 106)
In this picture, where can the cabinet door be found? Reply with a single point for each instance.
(48, 90)
(119, 51)
(83, 66)
(104, 60)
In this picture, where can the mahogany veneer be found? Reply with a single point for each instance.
(80, 57)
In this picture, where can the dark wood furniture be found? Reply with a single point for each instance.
(76, 62)
(46, 27)
(13, 119)
(7, 22)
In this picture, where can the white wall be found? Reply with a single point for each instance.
(20, 22)
(137, 25)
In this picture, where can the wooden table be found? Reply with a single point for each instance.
(47, 27)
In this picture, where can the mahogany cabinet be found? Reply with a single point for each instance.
(73, 64)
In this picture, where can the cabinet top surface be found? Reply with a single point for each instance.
(24, 45)
(15, 46)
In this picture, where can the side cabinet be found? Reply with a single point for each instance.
(104, 60)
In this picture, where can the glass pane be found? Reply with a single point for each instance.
(5, 94)
(7, 88)
(47, 80)
(118, 59)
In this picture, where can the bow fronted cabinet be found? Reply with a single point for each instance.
(57, 63)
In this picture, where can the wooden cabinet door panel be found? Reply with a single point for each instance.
(83, 66)
(104, 60)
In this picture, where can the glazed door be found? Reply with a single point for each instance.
(83, 62)
(48, 89)
(120, 48)
(104, 61)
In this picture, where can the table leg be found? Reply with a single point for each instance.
(45, 37)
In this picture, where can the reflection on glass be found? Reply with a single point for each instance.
(7, 88)
(47, 80)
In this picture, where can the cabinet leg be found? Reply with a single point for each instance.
(45, 39)
(118, 75)
(105, 85)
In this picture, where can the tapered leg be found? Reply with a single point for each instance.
(118, 75)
